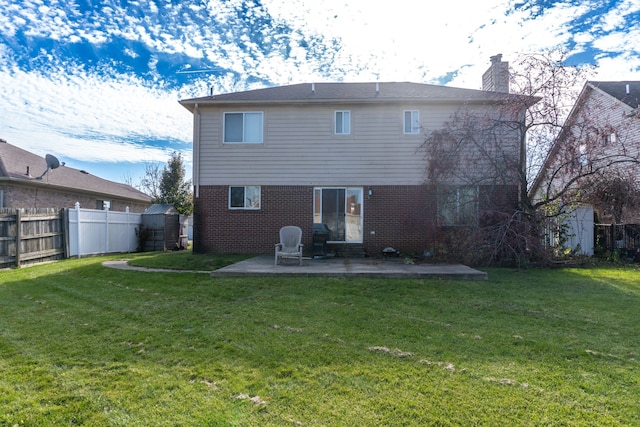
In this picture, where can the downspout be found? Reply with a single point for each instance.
(196, 151)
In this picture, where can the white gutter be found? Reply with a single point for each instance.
(196, 151)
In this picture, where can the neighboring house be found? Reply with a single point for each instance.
(601, 136)
(347, 155)
(23, 185)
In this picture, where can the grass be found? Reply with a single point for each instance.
(81, 344)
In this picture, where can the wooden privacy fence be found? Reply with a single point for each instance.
(36, 235)
(31, 235)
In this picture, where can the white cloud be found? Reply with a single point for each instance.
(90, 117)
(101, 114)
(625, 41)
(618, 67)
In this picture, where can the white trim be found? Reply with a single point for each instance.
(335, 122)
(245, 207)
(196, 151)
(244, 122)
(360, 220)
(415, 122)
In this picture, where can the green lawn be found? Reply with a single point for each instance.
(81, 344)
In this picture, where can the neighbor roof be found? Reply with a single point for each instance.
(21, 166)
(625, 91)
(350, 92)
(161, 209)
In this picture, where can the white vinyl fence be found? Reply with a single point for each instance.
(93, 232)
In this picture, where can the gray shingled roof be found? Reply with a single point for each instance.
(356, 92)
(161, 209)
(619, 90)
(14, 163)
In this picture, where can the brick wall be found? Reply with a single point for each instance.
(398, 216)
(217, 229)
(17, 196)
(402, 216)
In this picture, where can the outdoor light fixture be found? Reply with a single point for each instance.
(370, 193)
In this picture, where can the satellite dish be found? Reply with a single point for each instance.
(52, 163)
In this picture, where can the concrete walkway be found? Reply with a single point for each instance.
(263, 265)
(122, 264)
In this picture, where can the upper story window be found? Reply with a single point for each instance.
(343, 122)
(243, 127)
(247, 197)
(610, 138)
(411, 122)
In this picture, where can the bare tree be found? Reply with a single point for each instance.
(611, 194)
(150, 182)
(505, 148)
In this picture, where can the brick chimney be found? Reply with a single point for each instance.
(496, 78)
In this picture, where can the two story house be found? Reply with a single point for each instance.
(599, 145)
(592, 171)
(346, 155)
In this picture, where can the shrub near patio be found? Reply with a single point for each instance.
(82, 344)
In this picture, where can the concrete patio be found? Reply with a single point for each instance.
(263, 265)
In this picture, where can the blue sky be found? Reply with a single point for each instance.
(97, 82)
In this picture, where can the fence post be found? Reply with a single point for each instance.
(18, 235)
(128, 228)
(106, 229)
(66, 227)
(78, 232)
(612, 236)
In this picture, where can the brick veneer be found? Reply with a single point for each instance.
(217, 229)
(400, 216)
(18, 196)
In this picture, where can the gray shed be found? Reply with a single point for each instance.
(162, 223)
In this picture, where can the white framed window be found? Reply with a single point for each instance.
(411, 120)
(610, 138)
(583, 156)
(458, 205)
(343, 122)
(244, 197)
(243, 127)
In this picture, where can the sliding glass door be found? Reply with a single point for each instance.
(340, 209)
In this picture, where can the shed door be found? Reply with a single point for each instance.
(340, 209)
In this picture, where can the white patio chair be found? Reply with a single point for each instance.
(290, 245)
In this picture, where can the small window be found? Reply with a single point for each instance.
(244, 197)
(343, 122)
(103, 205)
(243, 127)
(583, 156)
(411, 122)
(609, 139)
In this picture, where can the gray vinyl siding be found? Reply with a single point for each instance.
(300, 146)
(600, 110)
(627, 128)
